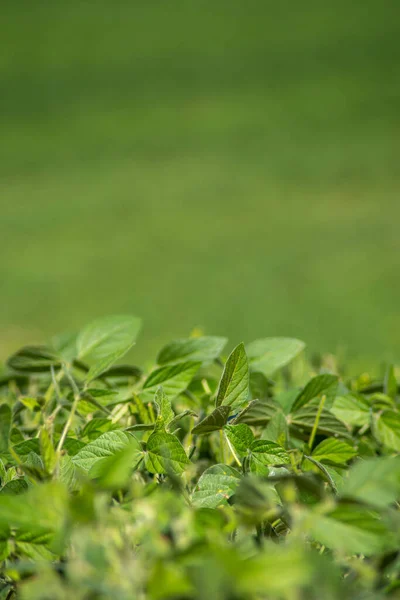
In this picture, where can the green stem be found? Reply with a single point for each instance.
(53, 387)
(233, 452)
(316, 422)
(68, 423)
(221, 444)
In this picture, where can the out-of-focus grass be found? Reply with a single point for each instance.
(232, 165)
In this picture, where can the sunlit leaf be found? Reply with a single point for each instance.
(165, 454)
(213, 422)
(216, 485)
(270, 354)
(201, 349)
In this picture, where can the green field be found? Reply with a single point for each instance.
(194, 162)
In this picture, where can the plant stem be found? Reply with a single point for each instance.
(316, 422)
(68, 423)
(233, 452)
(221, 443)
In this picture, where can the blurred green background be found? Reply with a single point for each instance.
(214, 163)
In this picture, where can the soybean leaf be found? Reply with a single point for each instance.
(390, 383)
(387, 429)
(213, 422)
(141, 427)
(333, 451)
(173, 378)
(47, 451)
(94, 428)
(186, 413)
(277, 429)
(324, 470)
(3, 472)
(73, 445)
(265, 453)
(64, 346)
(254, 496)
(105, 445)
(15, 487)
(304, 419)
(260, 385)
(165, 454)
(121, 371)
(233, 388)
(202, 349)
(257, 413)
(24, 448)
(375, 481)
(67, 471)
(5, 427)
(216, 485)
(43, 507)
(105, 363)
(321, 384)
(270, 354)
(164, 408)
(34, 359)
(240, 436)
(352, 409)
(349, 528)
(106, 337)
(113, 472)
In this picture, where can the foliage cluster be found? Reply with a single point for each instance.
(251, 475)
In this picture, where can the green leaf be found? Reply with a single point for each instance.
(3, 472)
(67, 471)
(73, 446)
(15, 487)
(265, 453)
(387, 429)
(47, 451)
(333, 451)
(390, 383)
(303, 421)
(254, 496)
(24, 448)
(95, 427)
(165, 412)
(324, 470)
(352, 409)
(5, 427)
(34, 359)
(105, 445)
(30, 403)
(186, 413)
(234, 384)
(349, 528)
(258, 413)
(201, 349)
(106, 337)
(260, 386)
(240, 436)
(113, 472)
(174, 378)
(320, 385)
(277, 429)
(270, 354)
(215, 421)
(105, 363)
(64, 346)
(165, 454)
(216, 485)
(42, 508)
(375, 481)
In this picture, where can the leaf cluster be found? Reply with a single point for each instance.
(250, 474)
